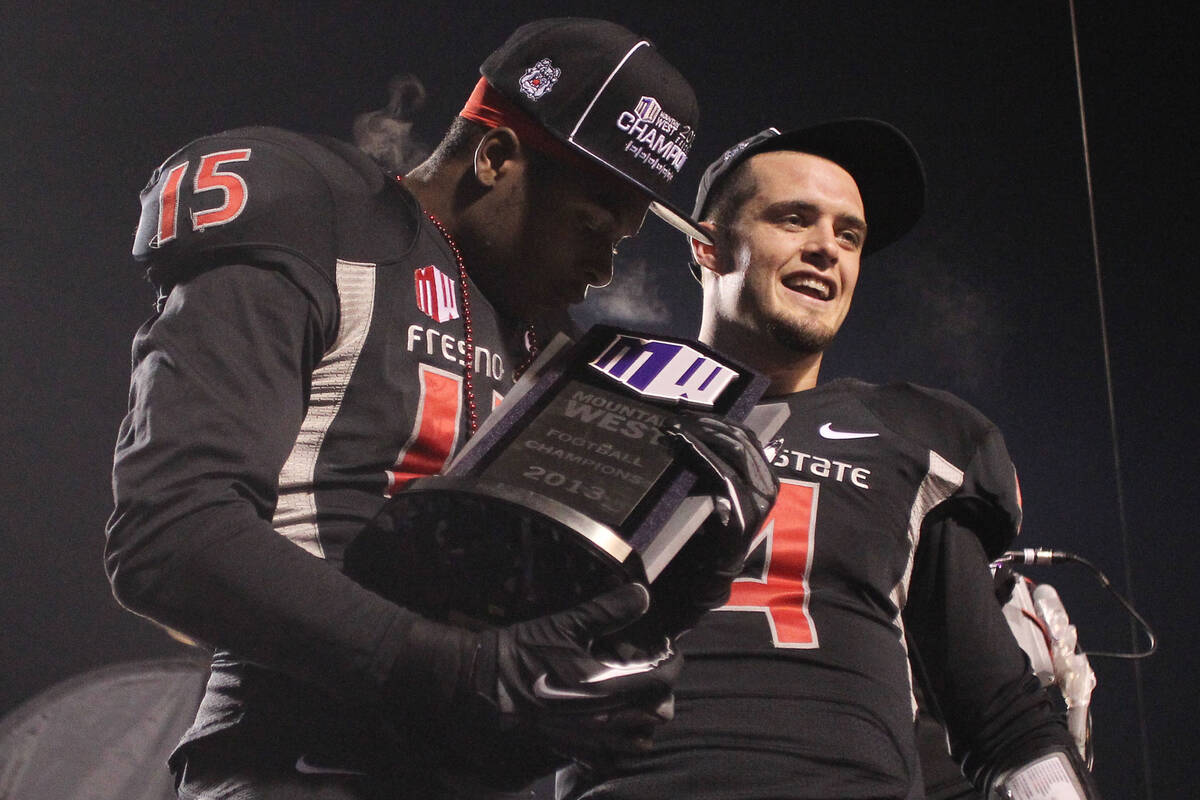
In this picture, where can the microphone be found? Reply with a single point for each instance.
(1036, 556)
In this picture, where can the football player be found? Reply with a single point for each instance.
(325, 333)
(875, 556)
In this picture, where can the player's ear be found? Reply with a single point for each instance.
(496, 155)
(705, 255)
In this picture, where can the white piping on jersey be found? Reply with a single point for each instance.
(296, 511)
(941, 481)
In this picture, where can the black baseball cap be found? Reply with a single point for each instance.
(607, 94)
(881, 159)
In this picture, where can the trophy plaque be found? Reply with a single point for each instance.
(568, 489)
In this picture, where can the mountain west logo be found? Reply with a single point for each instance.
(655, 137)
(539, 79)
(435, 294)
(664, 369)
(650, 110)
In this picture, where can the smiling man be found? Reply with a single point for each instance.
(873, 565)
(778, 288)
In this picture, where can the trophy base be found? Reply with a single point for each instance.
(474, 552)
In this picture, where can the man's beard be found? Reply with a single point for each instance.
(801, 339)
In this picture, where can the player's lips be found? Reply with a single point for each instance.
(810, 285)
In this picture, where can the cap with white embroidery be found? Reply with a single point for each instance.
(607, 94)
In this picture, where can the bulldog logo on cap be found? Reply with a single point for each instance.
(539, 79)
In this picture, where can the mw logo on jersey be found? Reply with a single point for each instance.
(435, 293)
(664, 369)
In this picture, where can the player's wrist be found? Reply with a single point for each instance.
(436, 668)
(1052, 776)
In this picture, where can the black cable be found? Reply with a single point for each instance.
(1042, 557)
(1107, 584)
(1112, 414)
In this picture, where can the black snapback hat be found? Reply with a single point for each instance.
(607, 94)
(881, 159)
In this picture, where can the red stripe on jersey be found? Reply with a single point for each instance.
(435, 433)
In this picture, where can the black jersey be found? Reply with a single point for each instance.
(800, 687)
(308, 358)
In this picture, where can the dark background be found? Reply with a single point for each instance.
(995, 296)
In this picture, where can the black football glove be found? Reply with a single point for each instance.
(734, 470)
(536, 691)
(545, 672)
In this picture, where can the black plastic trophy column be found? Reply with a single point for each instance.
(568, 489)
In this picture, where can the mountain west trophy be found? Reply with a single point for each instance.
(570, 483)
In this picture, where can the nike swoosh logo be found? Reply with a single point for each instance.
(828, 432)
(542, 689)
(305, 767)
(622, 668)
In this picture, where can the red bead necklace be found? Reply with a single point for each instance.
(531, 342)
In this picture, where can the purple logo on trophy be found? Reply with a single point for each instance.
(670, 370)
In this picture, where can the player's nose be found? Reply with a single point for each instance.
(821, 246)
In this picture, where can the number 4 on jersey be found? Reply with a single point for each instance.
(783, 551)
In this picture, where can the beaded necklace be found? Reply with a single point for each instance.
(531, 342)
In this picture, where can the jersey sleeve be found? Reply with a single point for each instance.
(216, 399)
(994, 708)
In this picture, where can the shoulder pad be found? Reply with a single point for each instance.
(267, 194)
(989, 500)
(935, 418)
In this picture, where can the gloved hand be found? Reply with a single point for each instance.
(544, 672)
(735, 471)
(515, 702)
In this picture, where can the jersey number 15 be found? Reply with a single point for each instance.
(208, 177)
